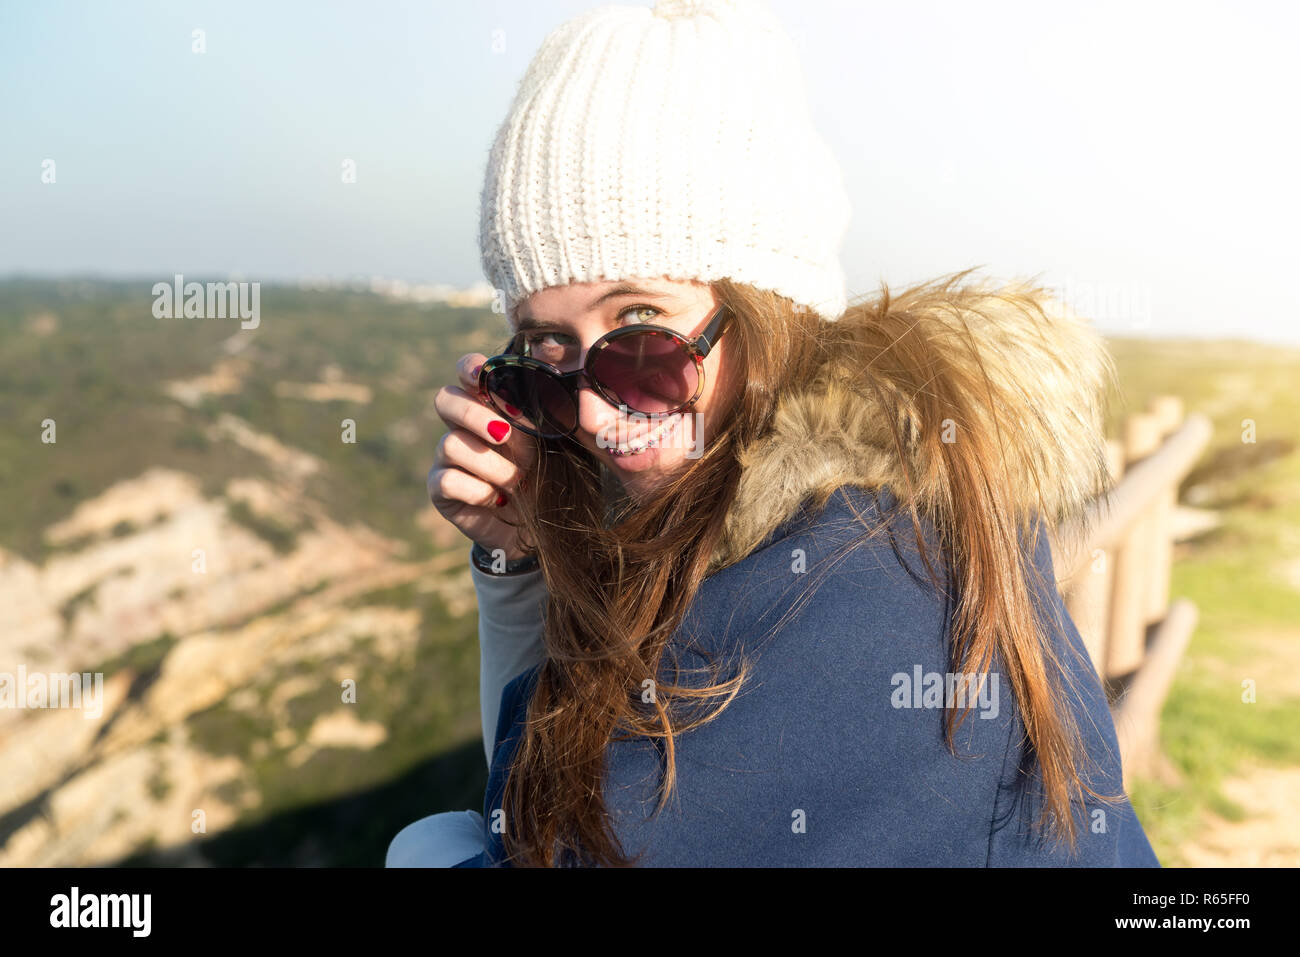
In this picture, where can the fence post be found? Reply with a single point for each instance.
(1168, 413)
(1089, 601)
(1137, 718)
(1128, 623)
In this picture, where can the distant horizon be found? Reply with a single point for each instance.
(364, 284)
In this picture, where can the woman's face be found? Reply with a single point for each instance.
(567, 320)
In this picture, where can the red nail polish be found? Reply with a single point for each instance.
(498, 430)
(501, 499)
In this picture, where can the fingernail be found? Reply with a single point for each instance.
(498, 430)
(501, 499)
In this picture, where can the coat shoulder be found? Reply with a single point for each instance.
(856, 680)
(1109, 831)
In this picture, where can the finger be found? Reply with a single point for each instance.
(462, 449)
(467, 371)
(459, 409)
(452, 486)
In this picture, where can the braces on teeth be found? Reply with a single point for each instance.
(664, 432)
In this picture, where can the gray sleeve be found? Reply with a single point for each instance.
(510, 621)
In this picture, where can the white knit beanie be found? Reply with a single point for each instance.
(674, 142)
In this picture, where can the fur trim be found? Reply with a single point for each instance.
(1028, 368)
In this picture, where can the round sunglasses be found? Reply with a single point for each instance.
(643, 368)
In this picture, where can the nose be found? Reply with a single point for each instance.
(595, 415)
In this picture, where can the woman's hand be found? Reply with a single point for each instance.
(474, 471)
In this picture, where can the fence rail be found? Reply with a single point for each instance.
(1113, 570)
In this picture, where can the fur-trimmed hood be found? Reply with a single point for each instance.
(1032, 374)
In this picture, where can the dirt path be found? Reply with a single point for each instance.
(1269, 835)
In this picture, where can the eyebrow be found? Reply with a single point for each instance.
(623, 289)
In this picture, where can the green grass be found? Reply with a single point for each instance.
(1247, 610)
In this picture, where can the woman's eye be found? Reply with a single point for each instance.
(632, 310)
(547, 346)
(557, 348)
(544, 338)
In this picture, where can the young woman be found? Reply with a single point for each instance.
(763, 576)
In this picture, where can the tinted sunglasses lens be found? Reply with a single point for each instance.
(543, 405)
(648, 371)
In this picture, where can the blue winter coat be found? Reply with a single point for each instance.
(825, 758)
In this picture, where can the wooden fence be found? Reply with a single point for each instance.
(1114, 575)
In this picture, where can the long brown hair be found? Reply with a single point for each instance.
(620, 579)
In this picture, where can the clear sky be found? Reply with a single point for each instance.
(1140, 156)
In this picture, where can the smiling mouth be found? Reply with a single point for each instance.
(653, 439)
